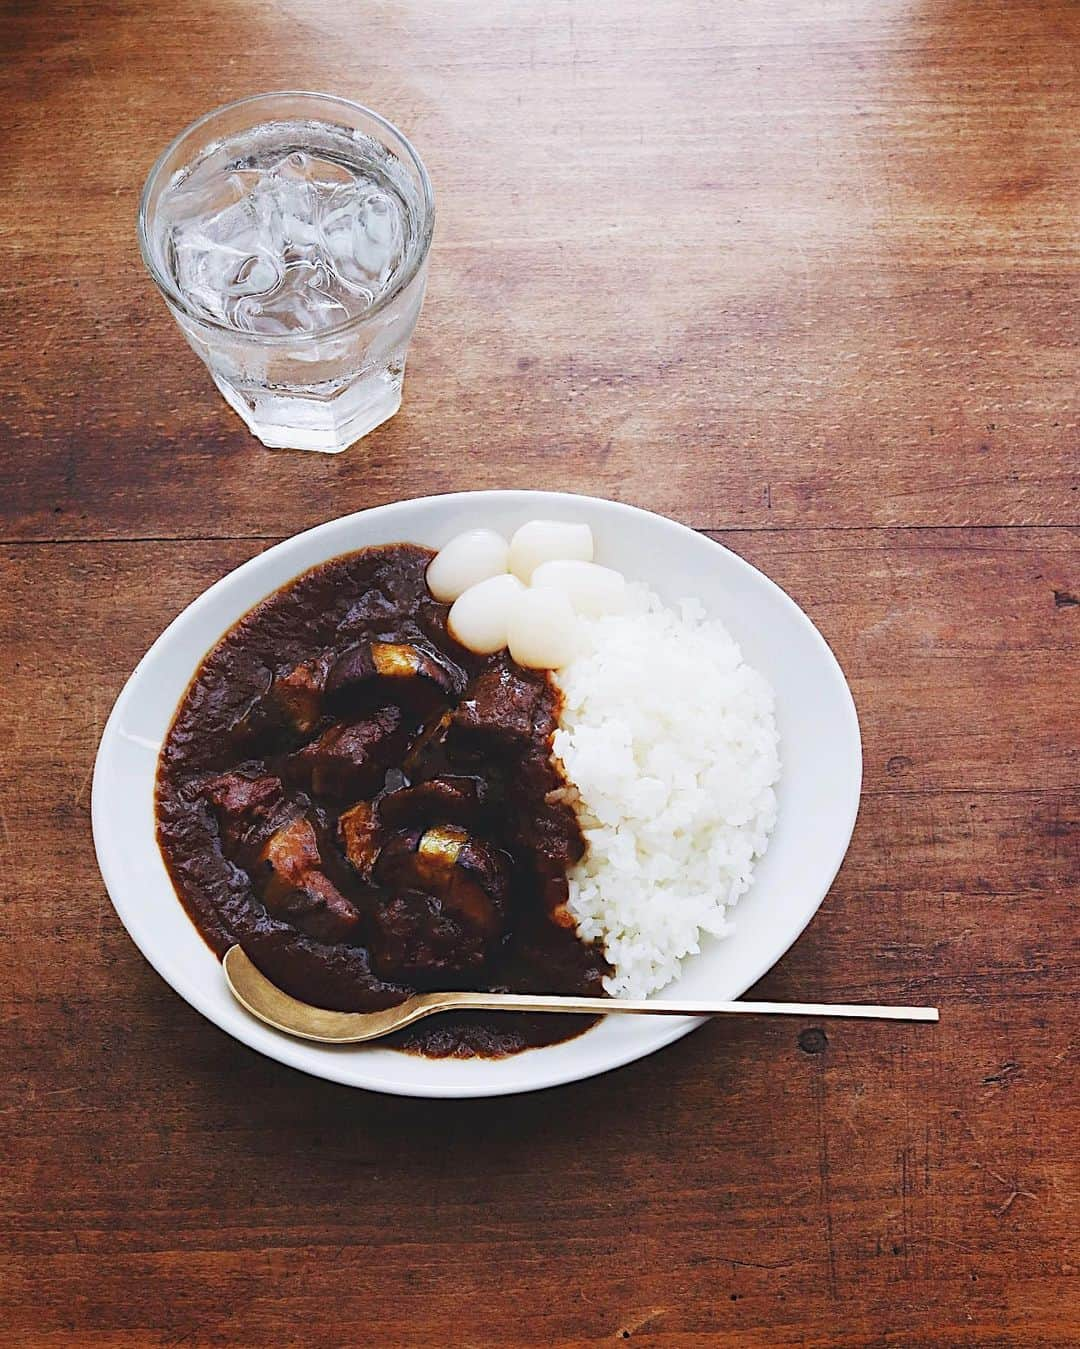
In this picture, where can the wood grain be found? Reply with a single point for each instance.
(766, 264)
(802, 275)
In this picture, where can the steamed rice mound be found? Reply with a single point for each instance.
(670, 743)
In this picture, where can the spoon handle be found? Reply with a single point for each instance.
(521, 1002)
(265, 1000)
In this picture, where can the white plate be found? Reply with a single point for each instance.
(818, 792)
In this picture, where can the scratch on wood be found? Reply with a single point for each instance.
(1002, 1074)
(80, 791)
(1015, 1192)
(1002, 1209)
(757, 1264)
(823, 1172)
(943, 1241)
(631, 1327)
(525, 241)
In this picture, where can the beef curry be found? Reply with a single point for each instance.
(371, 810)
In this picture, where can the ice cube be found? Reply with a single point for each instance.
(324, 309)
(295, 245)
(380, 220)
(267, 216)
(256, 275)
(290, 209)
(315, 169)
(201, 198)
(295, 166)
(205, 268)
(337, 227)
(285, 311)
(366, 255)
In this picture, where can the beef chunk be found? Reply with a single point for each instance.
(440, 800)
(498, 711)
(546, 827)
(427, 756)
(297, 694)
(415, 939)
(316, 906)
(235, 795)
(350, 759)
(247, 808)
(550, 834)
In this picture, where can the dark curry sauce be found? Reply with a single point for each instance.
(368, 809)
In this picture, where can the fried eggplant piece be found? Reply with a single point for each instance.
(446, 907)
(360, 835)
(408, 675)
(288, 872)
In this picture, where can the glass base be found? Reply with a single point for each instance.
(284, 422)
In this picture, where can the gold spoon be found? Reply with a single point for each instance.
(253, 990)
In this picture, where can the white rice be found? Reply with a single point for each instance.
(670, 742)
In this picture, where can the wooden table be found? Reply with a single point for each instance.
(802, 275)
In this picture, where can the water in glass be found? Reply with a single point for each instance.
(296, 249)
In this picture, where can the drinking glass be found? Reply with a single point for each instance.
(289, 234)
